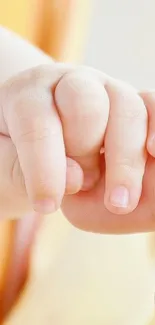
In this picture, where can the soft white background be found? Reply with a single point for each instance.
(121, 40)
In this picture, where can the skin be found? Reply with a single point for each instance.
(31, 124)
(54, 106)
(83, 168)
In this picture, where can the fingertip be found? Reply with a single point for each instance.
(74, 177)
(119, 210)
(121, 200)
(79, 180)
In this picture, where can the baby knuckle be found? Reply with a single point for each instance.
(23, 82)
(135, 109)
(34, 135)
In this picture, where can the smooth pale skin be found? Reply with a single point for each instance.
(72, 272)
(44, 117)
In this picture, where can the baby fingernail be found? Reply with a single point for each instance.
(120, 197)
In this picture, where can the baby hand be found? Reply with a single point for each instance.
(58, 111)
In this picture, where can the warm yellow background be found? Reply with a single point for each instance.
(19, 15)
(56, 26)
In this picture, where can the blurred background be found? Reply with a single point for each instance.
(116, 36)
(121, 40)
